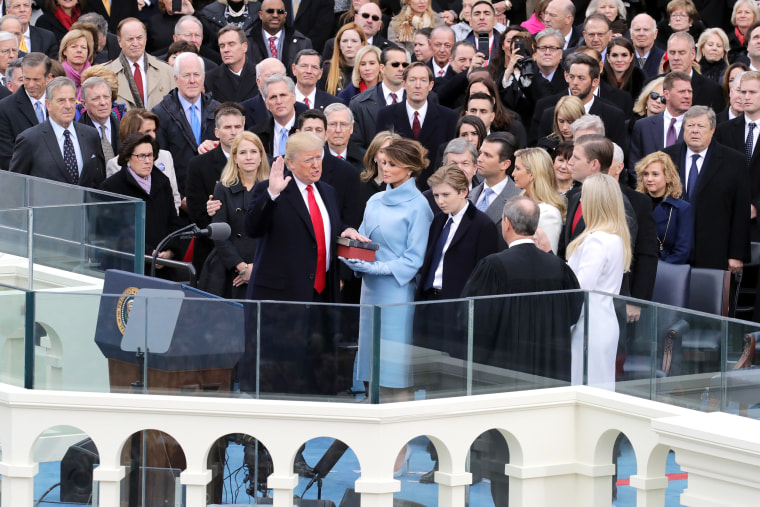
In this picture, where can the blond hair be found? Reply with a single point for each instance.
(302, 141)
(640, 107)
(356, 76)
(370, 157)
(673, 187)
(544, 186)
(74, 35)
(231, 172)
(570, 108)
(603, 210)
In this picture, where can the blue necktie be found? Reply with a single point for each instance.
(691, 185)
(485, 201)
(283, 142)
(438, 254)
(70, 158)
(195, 124)
(39, 112)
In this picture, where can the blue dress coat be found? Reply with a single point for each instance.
(679, 238)
(399, 220)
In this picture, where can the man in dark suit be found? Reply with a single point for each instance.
(255, 108)
(741, 134)
(204, 171)
(340, 125)
(280, 100)
(681, 52)
(8, 53)
(390, 90)
(313, 18)
(442, 41)
(370, 18)
(717, 186)
(307, 70)
(295, 218)
(235, 79)
(34, 38)
(26, 107)
(653, 133)
(643, 34)
(60, 149)
(559, 15)
(418, 118)
(96, 98)
(483, 20)
(582, 74)
(271, 37)
(186, 114)
(549, 59)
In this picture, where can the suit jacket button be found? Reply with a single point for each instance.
(238, 210)
(239, 235)
(311, 276)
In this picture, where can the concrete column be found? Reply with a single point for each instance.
(109, 485)
(18, 483)
(451, 488)
(650, 491)
(195, 487)
(282, 487)
(377, 493)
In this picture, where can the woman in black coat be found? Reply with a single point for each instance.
(59, 15)
(140, 179)
(228, 266)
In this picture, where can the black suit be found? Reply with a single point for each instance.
(706, 92)
(652, 65)
(16, 115)
(203, 172)
(43, 41)
(265, 131)
(293, 41)
(344, 178)
(315, 19)
(115, 140)
(111, 50)
(731, 134)
(225, 86)
(37, 153)
(438, 127)
(256, 111)
(617, 97)
(322, 99)
(119, 10)
(720, 205)
(645, 248)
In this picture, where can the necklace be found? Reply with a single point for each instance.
(662, 241)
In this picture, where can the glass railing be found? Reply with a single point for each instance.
(66, 229)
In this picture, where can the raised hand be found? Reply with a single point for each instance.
(277, 179)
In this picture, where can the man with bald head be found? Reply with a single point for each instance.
(681, 53)
(643, 34)
(560, 15)
(256, 111)
(370, 18)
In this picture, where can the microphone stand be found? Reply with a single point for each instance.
(187, 231)
(328, 461)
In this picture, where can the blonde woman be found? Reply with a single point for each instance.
(366, 72)
(337, 71)
(599, 256)
(534, 174)
(414, 15)
(568, 110)
(712, 54)
(228, 267)
(76, 53)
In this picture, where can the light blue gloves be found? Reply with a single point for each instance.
(371, 268)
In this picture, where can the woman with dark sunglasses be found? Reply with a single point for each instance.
(650, 101)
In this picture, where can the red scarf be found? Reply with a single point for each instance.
(739, 35)
(362, 85)
(66, 20)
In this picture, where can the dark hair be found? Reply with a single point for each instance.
(311, 114)
(408, 154)
(233, 28)
(228, 108)
(508, 146)
(599, 17)
(307, 52)
(480, 96)
(751, 29)
(35, 59)
(608, 73)
(672, 77)
(725, 86)
(387, 51)
(496, 64)
(503, 118)
(132, 142)
(580, 58)
(477, 123)
(419, 65)
(132, 121)
(427, 32)
(564, 150)
(180, 46)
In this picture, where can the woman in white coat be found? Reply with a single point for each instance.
(599, 256)
(534, 174)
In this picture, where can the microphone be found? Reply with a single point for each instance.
(216, 232)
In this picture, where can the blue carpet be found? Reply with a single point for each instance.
(346, 472)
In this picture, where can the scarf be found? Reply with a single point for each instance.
(406, 23)
(362, 86)
(739, 35)
(65, 19)
(126, 65)
(73, 73)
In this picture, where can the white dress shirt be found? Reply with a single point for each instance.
(455, 221)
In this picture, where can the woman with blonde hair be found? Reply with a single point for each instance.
(337, 71)
(414, 15)
(599, 257)
(76, 53)
(366, 72)
(228, 266)
(712, 54)
(658, 178)
(567, 110)
(534, 174)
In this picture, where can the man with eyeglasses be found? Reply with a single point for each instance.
(340, 126)
(34, 38)
(308, 70)
(187, 116)
(271, 37)
(235, 79)
(367, 104)
(8, 53)
(548, 56)
(370, 18)
(597, 33)
(59, 148)
(658, 131)
(190, 29)
(559, 15)
(643, 35)
(143, 79)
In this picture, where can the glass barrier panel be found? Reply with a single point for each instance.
(66, 456)
(14, 246)
(740, 382)
(13, 192)
(12, 335)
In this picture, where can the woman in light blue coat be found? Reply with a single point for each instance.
(398, 219)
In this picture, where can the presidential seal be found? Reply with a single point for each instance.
(124, 306)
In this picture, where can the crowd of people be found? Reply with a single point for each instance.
(609, 135)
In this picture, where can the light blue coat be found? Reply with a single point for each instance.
(399, 220)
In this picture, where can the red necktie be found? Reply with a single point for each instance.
(577, 217)
(306, 101)
(319, 232)
(273, 46)
(340, 157)
(416, 127)
(440, 73)
(139, 82)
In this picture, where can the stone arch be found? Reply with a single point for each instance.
(342, 467)
(229, 455)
